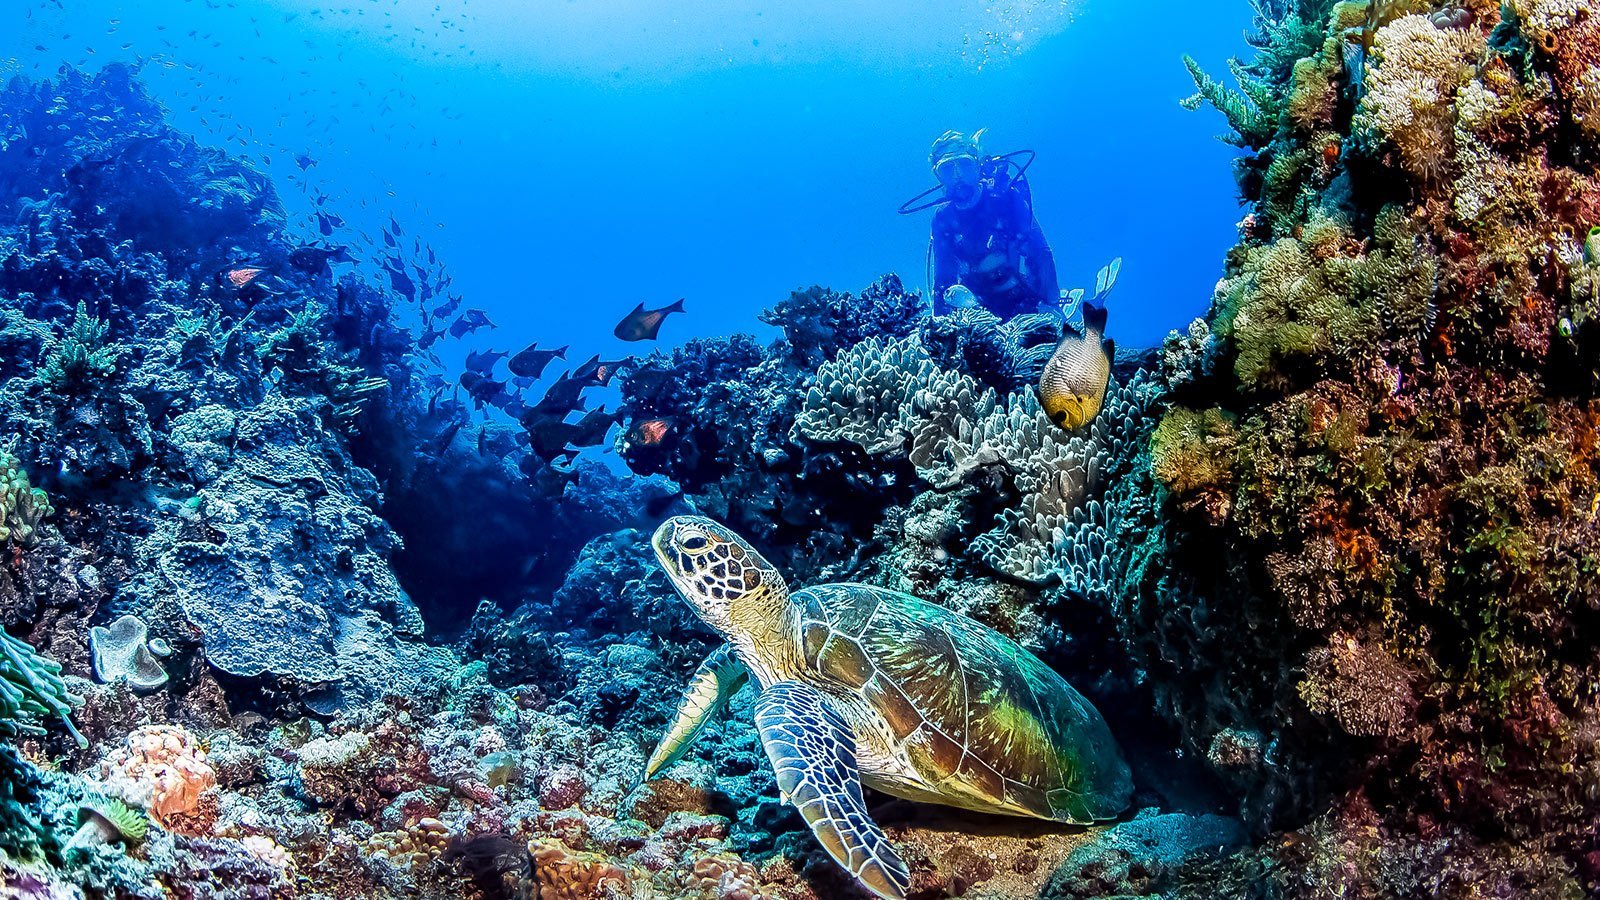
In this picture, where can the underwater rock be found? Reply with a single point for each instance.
(283, 568)
(1366, 590)
(1139, 857)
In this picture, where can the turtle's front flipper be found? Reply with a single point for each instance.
(710, 688)
(814, 757)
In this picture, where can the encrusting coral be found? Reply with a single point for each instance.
(1377, 545)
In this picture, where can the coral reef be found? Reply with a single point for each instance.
(1326, 559)
(22, 506)
(1366, 595)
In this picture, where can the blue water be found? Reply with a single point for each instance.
(566, 160)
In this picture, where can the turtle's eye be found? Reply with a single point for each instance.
(694, 542)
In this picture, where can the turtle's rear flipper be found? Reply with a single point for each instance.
(814, 757)
(709, 690)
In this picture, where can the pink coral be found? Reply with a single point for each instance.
(163, 770)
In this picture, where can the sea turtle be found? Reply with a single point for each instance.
(863, 685)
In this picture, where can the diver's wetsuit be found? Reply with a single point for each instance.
(997, 250)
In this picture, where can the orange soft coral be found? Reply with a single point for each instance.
(162, 769)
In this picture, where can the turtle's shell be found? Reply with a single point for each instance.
(985, 724)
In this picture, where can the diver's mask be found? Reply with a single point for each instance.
(960, 177)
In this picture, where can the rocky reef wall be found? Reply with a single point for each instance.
(1368, 597)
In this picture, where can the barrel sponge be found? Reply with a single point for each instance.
(22, 506)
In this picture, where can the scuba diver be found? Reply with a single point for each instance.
(987, 248)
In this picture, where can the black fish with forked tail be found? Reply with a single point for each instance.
(643, 324)
(596, 372)
(530, 363)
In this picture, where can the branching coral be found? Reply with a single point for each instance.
(80, 360)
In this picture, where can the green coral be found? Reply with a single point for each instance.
(1191, 451)
(81, 359)
(30, 689)
(298, 359)
(1303, 308)
(130, 823)
(22, 506)
(1252, 125)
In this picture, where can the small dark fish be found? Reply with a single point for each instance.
(530, 363)
(448, 308)
(514, 407)
(327, 222)
(314, 260)
(481, 389)
(303, 161)
(592, 428)
(563, 397)
(470, 321)
(442, 442)
(402, 283)
(482, 361)
(649, 432)
(596, 372)
(1073, 385)
(430, 337)
(643, 324)
(549, 437)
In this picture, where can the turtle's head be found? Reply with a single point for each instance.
(723, 578)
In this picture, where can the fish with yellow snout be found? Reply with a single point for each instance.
(1072, 387)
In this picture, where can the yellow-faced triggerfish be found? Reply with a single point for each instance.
(1073, 385)
(642, 324)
